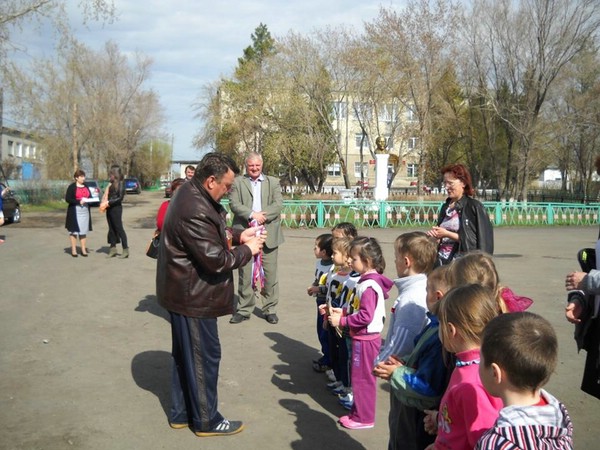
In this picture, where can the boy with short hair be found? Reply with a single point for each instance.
(519, 352)
(415, 255)
(324, 267)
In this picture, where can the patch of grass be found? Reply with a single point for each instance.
(49, 206)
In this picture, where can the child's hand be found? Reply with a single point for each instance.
(394, 360)
(335, 316)
(385, 369)
(430, 422)
(323, 309)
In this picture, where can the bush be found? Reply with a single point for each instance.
(37, 192)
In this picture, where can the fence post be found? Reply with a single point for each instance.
(498, 214)
(382, 214)
(550, 214)
(320, 214)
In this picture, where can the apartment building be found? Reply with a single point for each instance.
(19, 154)
(358, 125)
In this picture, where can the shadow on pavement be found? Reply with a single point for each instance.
(151, 371)
(316, 429)
(150, 304)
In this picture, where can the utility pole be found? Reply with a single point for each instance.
(1, 122)
(74, 138)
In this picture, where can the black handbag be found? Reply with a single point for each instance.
(152, 250)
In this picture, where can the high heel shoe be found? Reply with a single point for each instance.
(84, 254)
(74, 255)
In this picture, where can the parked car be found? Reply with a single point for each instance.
(95, 190)
(133, 186)
(10, 205)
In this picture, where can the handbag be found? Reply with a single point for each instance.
(152, 250)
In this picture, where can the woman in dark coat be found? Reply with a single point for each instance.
(112, 203)
(79, 219)
(463, 224)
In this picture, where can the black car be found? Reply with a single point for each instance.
(132, 186)
(10, 205)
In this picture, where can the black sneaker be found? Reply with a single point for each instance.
(223, 428)
(272, 318)
(238, 318)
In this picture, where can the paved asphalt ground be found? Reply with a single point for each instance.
(85, 349)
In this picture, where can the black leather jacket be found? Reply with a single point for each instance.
(115, 196)
(475, 231)
(194, 275)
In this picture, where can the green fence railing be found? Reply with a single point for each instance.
(391, 214)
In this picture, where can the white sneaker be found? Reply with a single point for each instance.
(347, 400)
(330, 375)
(334, 384)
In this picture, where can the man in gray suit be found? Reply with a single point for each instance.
(258, 196)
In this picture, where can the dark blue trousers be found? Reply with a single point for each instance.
(196, 357)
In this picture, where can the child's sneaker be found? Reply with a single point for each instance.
(334, 384)
(347, 401)
(347, 422)
(339, 390)
(319, 366)
(330, 375)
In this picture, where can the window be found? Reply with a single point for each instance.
(365, 169)
(11, 150)
(334, 170)
(359, 137)
(387, 113)
(19, 150)
(363, 111)
(411, 143)
(411, 116)
(412, 170)
(340, 109)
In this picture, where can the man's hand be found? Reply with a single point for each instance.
(251, 232)
(259, 216)
(254, 237)
(573, 280)
(573, 312)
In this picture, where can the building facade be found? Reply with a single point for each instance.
(20, 155)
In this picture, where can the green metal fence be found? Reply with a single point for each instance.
(369, 213)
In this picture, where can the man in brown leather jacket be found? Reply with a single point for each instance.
(194, 282)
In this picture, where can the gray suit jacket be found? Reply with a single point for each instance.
(240, 201)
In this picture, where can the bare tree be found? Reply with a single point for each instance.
(94, 102)
(521, 47)
(420, 41)
(14, 14)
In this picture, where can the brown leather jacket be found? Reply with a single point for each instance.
(194, 275)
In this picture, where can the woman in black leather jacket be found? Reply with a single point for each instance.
(112, 202)
(463, 224)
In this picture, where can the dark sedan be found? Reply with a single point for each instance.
(133, 186)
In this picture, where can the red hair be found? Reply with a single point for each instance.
(462, 173)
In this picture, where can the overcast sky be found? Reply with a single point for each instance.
(194, 42)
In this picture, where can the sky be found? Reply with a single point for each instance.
(196, 42)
